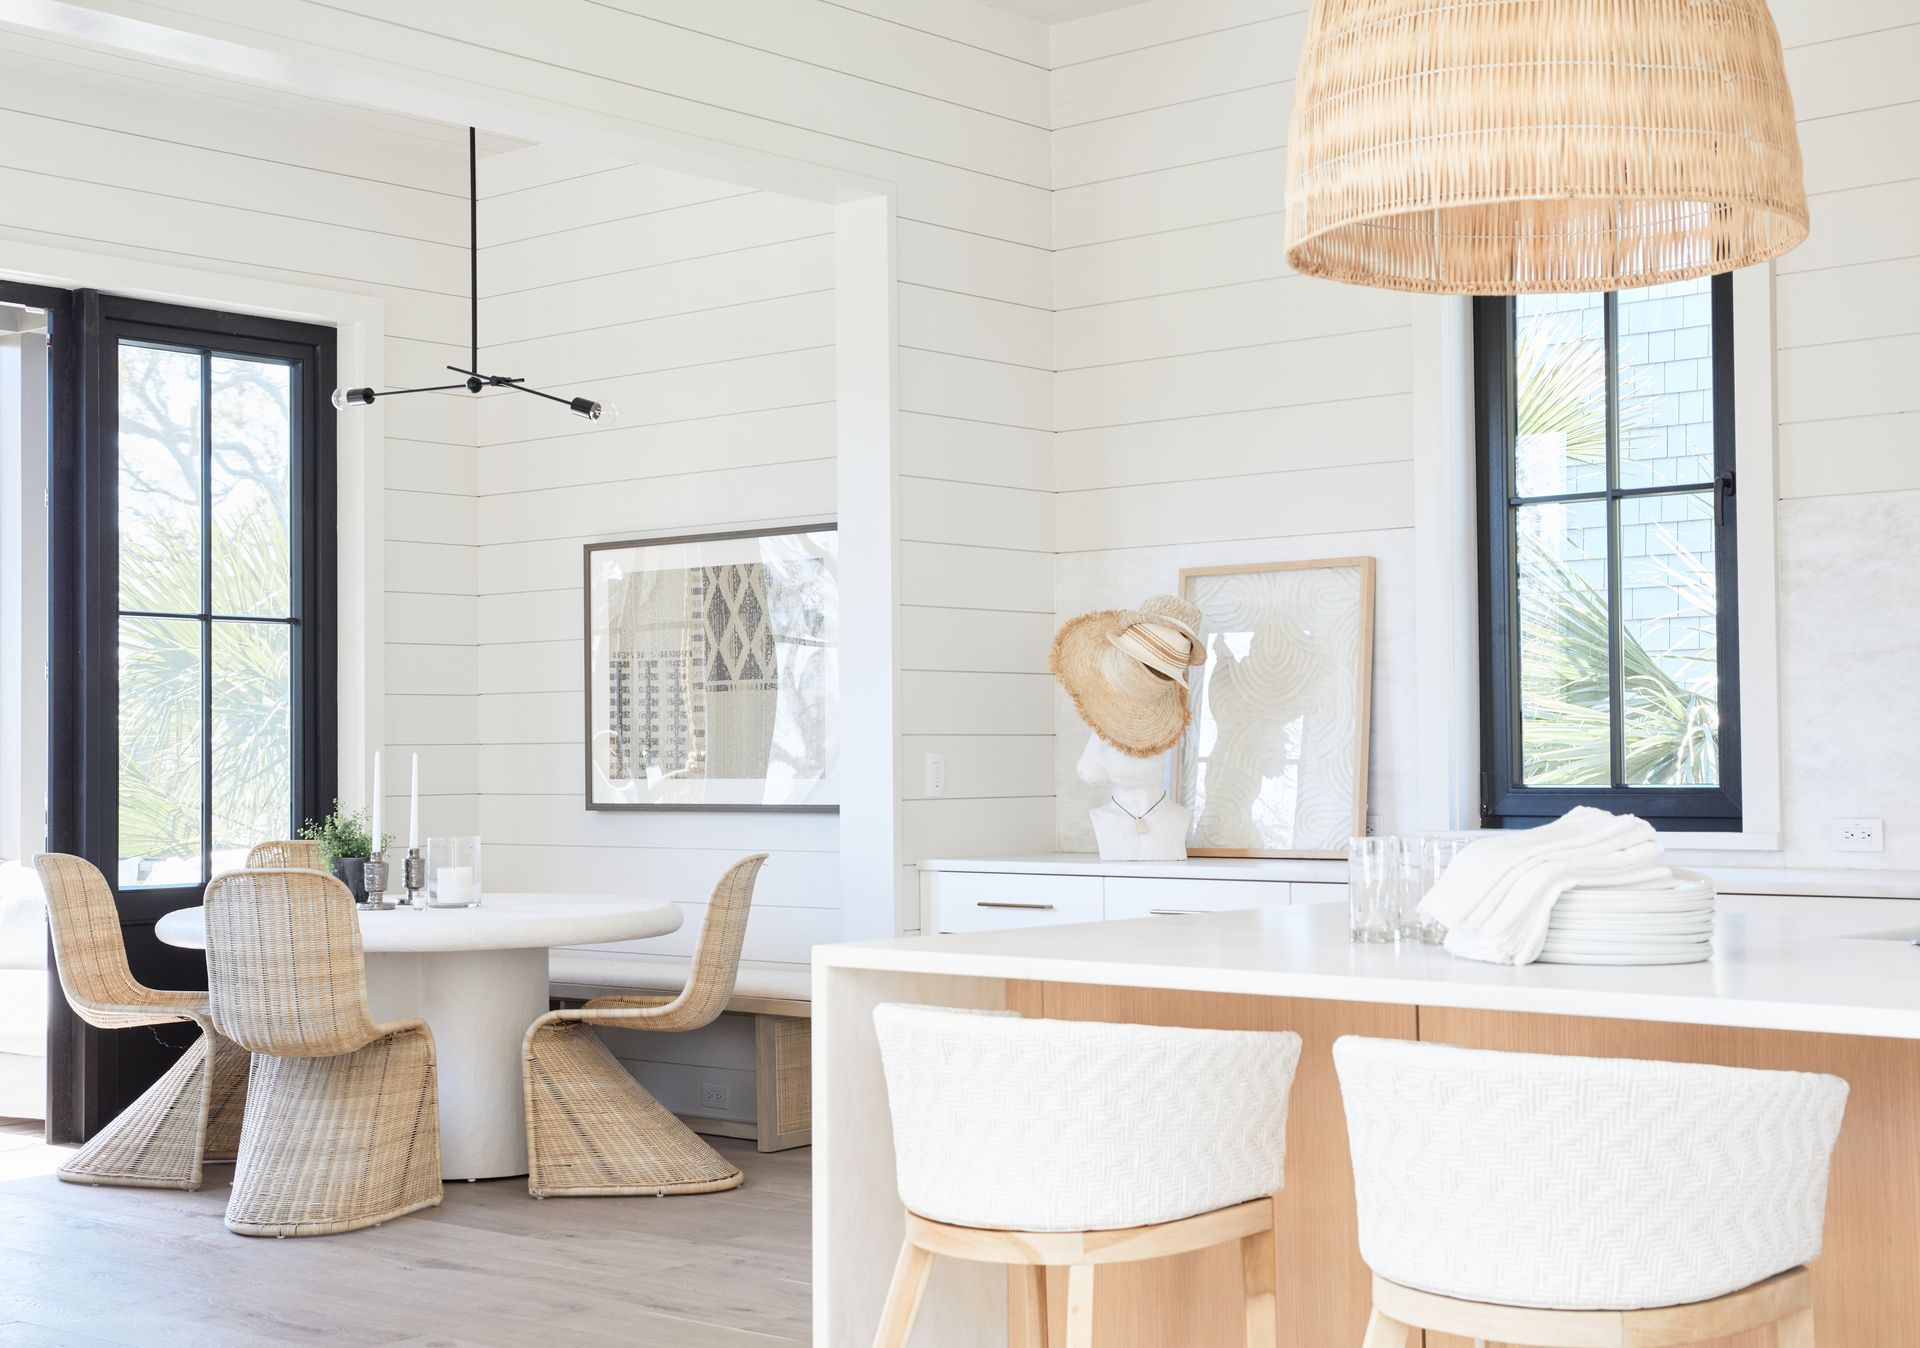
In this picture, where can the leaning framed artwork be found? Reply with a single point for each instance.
(712, 678)
(1274, 763)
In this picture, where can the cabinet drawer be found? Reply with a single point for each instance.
(1308, 893)
(977, 901)
(1128, 897)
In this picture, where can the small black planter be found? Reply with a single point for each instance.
(352, 872)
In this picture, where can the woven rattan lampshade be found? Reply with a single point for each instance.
(1501, 147)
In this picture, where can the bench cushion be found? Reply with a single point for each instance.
(574, 973)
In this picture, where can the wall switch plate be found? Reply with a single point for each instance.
(936, 774)
(1858, 835)
(713, 1095)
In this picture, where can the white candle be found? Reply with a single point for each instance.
(413, 820)
(454, 884)
(376, 802)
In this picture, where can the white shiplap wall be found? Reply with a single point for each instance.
(124, 159)
(1212, 407)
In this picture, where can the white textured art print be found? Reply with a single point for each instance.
(1275, 760)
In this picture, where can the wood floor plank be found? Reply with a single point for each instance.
(98, 1267)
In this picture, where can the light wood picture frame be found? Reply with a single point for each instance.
(1275, 761)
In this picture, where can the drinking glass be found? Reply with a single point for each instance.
(1374, 888)
(1434, 854)
(453, 872)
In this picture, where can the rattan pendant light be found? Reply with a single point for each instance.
(1502, 147)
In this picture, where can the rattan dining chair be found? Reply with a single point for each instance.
(592, 1130)
(299, 853)
(191, 1115)
(343, 1116)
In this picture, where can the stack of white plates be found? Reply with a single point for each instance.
(1669, 923)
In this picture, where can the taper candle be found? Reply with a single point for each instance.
(376, 802)
(413, 819)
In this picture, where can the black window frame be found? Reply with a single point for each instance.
(95, 1074)
(1505, 801)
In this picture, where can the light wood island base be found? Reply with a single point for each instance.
(1864, 1286)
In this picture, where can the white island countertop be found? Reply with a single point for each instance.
(1828, 965)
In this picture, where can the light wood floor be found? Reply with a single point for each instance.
(85, 1267)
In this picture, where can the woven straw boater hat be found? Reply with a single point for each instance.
(1126, 670)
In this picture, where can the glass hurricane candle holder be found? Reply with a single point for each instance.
(453, 872)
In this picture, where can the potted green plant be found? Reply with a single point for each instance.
(347, 845)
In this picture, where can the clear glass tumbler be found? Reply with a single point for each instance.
(1435, 854)
(1374, 887)
(453, 872)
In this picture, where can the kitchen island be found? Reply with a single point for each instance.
(1803, 983)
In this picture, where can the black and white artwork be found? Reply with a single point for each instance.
(713, 672)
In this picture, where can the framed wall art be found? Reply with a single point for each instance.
(1274, 763)
(713, 672)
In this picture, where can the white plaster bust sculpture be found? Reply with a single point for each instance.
(1139, 820)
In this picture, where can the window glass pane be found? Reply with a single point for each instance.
(159, 751)
(159, 479)
(252, 467)
(1669, 651)
(1560, 394)
(1565, 689)
(1666, 384)
(252, 738)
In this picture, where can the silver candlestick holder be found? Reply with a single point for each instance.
(376, 883)
(414, 871)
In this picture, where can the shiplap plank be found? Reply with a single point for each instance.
(936, 511)
(969, 325)
(1870, 70)
(1849, 379)
(660, 505)
(1228, 253)
(960, 450)
(1206, 193)
(633, 453)
(582, 196)
(946, 576)
(766, 327)
(1271, 505)
(973, 640)
(1238, 122)
(1286, 309)
(955, 827)
(979, 766)
(433, 619)
(1879, 299)
(936, 702)
(1162, 75)
(953, 259)
(1156, 23)
(967, 386)
(1851, 456)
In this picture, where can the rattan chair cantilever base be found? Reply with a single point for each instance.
(338, 1143)
(595, 1132)
(191, 1115)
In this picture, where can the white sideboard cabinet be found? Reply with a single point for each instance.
(988, 893)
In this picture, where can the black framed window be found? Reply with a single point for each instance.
(1608, 615)
(204, 617)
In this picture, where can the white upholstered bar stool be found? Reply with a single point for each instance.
(1560, 1202)
(1038, 1143)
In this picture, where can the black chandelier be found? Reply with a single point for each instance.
(344, 398)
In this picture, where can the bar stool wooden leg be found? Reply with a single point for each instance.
(1030, 1306)
(1257, 1277)
(1796, 1331)
(903, 1297)
(1080, 1306)
(1383, 1332)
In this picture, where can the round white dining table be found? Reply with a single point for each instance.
(478, 977)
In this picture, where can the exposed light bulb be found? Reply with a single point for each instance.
(343, 398)
(586, 407)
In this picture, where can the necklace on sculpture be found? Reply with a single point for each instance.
(1139, 820)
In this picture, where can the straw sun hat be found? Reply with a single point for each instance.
(1126, 670)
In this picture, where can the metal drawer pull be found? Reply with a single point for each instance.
(1174, 912)
(992, 903)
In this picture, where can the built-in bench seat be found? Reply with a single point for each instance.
(779, 998)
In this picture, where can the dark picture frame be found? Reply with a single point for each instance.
(597, 707)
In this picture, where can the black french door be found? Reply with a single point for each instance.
(191, 661)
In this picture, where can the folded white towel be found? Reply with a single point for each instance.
(1497, 897)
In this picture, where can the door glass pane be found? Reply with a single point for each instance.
(159, 751)
(252, 473)
(1560, 394)
(252, 738)
(1666, 384)
(159, 479)
(1565, 688)
(1669, 648)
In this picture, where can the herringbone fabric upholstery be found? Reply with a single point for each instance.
(1054, 1125)
(1582, 1183)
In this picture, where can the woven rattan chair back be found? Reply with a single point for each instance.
(281, 853)
(285, 964)
(716, 955)
(88, 948)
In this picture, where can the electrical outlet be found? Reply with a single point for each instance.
(1858, 835)
(713, 1095)
(936, 774)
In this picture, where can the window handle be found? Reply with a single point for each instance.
(1722, 489)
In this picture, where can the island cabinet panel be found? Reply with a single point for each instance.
(1866, 1293)
(1194, 1300)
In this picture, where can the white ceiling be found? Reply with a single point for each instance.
(22, 50)
(1058, 11)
